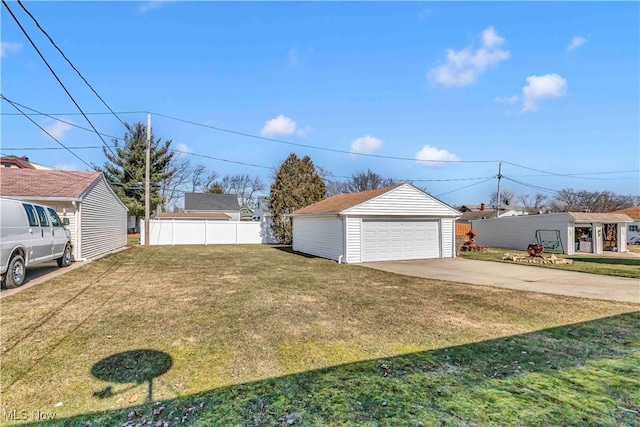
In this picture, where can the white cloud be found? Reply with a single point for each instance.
(68, 167)
(462, 67)
(148, 6)
(542, 87)
(297, 58)
(424, 14)
(366, 145)
(183, 148)
(281, 125)
(58, 129)
(506, 99)
(7, 47)
(576, 42)
(432, 157)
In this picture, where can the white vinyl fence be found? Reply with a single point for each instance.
(205, 232)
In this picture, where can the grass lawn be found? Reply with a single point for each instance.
(257, 336)
(606, 264)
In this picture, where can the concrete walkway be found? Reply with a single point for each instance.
(521, 277)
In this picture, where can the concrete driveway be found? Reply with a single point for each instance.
(521, 277)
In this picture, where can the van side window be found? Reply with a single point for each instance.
(55, 219)
(42, 215)
(31, 214)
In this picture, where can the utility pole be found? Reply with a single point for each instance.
(146, 182)
(499, 178)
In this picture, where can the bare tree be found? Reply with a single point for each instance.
(363, 181)
(202, 178)
(172, 187)
(534, 204)
(242, 185)
(507, 197)
(332, 184)
(568, 199)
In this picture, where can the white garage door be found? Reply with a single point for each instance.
(398, 240)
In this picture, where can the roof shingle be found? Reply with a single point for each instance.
(341, 202)
(633, 212)
(45, 183)
(211, 202)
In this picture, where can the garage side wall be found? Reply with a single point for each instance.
(103, 222)
(517, 232)
(319, 236)
(403, 201)
(448, 238)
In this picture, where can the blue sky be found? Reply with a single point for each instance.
(549, 86)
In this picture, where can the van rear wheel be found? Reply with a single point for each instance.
(15, 272)
(65, 259)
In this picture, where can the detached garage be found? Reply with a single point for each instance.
(89, 208)
(393, 223)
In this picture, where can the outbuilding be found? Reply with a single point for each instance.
(85, 201)
(572, 232)
(398, 222)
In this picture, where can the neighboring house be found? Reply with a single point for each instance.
(579, 232)
(263, 214)
(21, 163)
(206, 202)
(193, 215)
(471, 212)
(397, 222)
(246, 214)
(633, 228)
(86, 203)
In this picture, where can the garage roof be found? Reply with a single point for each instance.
(633, 212)
(341, 202)
(600, 217)
(55, 183)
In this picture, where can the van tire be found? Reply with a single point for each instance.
(65, 259)
(15, 273)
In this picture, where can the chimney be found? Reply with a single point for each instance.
(481, 207)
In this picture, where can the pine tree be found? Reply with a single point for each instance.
(297, 184)
(125, 170)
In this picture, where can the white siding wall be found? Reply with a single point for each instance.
(517, 232)
(354, 239)
(404, 201)
(202, 232)
(103, 222)
(447, 238)
(320, 236)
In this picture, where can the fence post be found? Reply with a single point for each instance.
(237, 232)
(206, 242)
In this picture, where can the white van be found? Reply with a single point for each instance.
(30, 234)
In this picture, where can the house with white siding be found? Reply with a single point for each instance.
(89, 208)
(397, 222)
(577, 232)
(633, 228)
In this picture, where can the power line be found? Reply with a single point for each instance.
(55, 75)
(462, 188)
(63, 121)
(70, 63)
(95, 113)
(535, 187)
(333, 150)
(545, 173)
(45, 131)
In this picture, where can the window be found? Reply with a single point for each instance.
(31, 214)
(634, 228)
(55, 219)
(44, 221)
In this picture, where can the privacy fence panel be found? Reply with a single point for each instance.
(204, 232)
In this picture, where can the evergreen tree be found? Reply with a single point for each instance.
(125, 170)
(297, 184)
